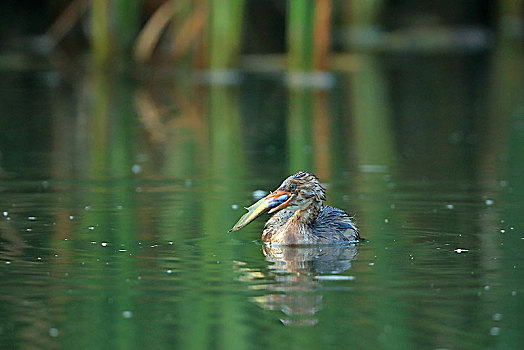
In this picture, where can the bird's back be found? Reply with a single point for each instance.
(335, 225)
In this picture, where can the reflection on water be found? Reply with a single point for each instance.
(295, 272)
(116, 194)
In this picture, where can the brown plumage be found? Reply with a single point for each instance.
(301, 217)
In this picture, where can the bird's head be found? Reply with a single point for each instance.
(302, 191)
(298, 192)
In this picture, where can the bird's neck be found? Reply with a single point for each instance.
(307, 216)
(297, 229)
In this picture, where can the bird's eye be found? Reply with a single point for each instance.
(292, 187)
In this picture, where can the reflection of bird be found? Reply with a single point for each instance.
(309, 260)
(295, 278)
(301, 217)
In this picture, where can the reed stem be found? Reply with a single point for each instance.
(300, 34)
(100, 38)
(128, 15)
(225, 32)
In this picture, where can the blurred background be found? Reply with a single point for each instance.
(236, 86)
(286, 79)
(133, 132)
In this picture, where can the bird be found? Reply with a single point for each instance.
(300, 217)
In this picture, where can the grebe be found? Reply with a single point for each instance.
(300, 217)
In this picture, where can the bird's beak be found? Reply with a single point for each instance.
(272, 202)
(278, 200)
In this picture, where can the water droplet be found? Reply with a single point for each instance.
(460, 250)
(103, 244)
(371, 264)
(502, 230)
(386, 220)
(486, 287)
(71, 217)
(7, 262)
(259, 194)
(170, 242)
(28, 229)
(169, 271)
(450, 206)
(39, 258)
(31, 218)
(119, 207)
(494, 331)
(91, 228)
(489, 202)
(234, 207)
(53, 332)
(497, 317)
(127, 314)
(87, 207)
(136, 169)
(5, 213)
(93, 242)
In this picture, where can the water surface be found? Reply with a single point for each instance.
(116, 195)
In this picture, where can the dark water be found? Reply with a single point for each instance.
(116, 193)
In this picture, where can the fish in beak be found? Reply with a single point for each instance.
(271, 203)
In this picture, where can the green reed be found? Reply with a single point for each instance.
(100, 36)
(114, 26)
(127, 23)
(375, 148)
(225, 32)
(300, 34)
(300, 134)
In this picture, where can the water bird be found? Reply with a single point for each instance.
(300, 217)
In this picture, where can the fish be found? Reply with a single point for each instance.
(260, 207)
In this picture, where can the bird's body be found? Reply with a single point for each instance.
(300, 217)
(332, 225)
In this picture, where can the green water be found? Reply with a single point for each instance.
(116, 194)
